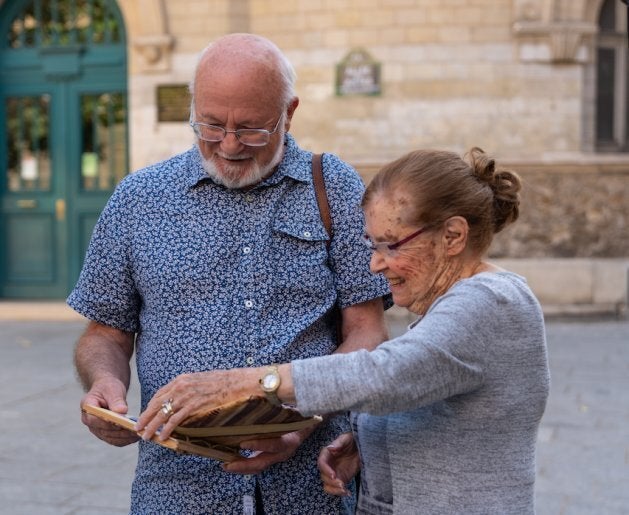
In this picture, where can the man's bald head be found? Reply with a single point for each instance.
(248, 57)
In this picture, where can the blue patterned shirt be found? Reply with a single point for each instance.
(210, 277)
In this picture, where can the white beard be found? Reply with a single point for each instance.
(233, 176)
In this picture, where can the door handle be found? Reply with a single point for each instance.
(60, 209)
(27, 203)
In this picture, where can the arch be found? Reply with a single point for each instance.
(37, 23)
(151, 43)
(592, 10)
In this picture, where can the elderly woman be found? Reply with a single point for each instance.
(445, 417)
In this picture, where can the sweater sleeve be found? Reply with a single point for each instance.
(445, 354)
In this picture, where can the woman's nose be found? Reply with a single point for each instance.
(376, 264)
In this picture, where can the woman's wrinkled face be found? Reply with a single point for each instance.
(417, 270)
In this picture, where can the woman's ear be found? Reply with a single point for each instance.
(456, 230)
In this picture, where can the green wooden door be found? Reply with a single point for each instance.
(63, 141)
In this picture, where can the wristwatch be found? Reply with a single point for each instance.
(270, 382)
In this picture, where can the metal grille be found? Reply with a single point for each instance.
(64, 22)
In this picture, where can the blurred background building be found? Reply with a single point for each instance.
(91, 90)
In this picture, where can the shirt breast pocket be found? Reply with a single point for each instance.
(300, 248)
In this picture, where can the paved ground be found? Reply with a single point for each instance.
(50, 464)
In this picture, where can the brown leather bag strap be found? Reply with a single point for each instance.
(322, 196)
(326, 218)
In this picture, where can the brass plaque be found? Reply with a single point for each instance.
(173, 103)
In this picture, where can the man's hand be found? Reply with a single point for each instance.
(108, 394)
(338, 463)
(267, 452)
(102, 359)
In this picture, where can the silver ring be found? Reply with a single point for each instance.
(167, 408)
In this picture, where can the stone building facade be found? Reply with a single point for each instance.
(539, 84)
(515, 77)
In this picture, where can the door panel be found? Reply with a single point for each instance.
(99, 160)
(31, 249)
(33, 228)
(63, 136)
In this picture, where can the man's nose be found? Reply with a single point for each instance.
(231, 143)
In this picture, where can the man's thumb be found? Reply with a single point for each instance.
(119, 406)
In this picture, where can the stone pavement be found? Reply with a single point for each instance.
(51, 464)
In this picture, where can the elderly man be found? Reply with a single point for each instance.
(218, 258)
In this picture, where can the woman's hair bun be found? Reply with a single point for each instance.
(505, 185)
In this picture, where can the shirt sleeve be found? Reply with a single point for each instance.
(349, 259)
(105, 291)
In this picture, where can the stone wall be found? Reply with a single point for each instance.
(454, 74)
(575, 210)
(451, 78)
(498, 74)
(511, 76)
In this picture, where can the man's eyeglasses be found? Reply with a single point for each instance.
(387, 248)
(249, 137)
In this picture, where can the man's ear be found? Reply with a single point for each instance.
(290, 110)
(455, 233)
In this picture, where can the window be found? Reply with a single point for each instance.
(612, 78)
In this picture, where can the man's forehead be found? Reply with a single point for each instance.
(241, 114)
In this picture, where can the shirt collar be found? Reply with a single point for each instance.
(295, 164)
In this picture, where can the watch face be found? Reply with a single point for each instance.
(270, 382)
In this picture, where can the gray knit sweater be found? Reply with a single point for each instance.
(446, 415)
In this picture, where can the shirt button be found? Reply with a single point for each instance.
(307, 234)
(246, 250)
(249, 198)
(250, 360)
(248, 303)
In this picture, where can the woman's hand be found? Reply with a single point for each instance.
(192, 394)
(338, 463)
